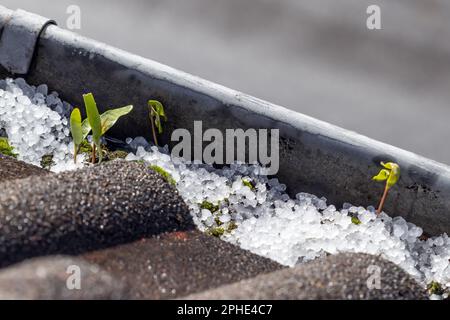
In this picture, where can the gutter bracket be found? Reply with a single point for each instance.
(19, 36)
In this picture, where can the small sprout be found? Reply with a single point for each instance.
(390, 174)
(93, 118)
(156, 110)
(99, 124)
(47, 161)
(248, 184)
(209, 206)
(6, 149)
(435, 288)
(76, 130)
(356, 220)
(167, 176)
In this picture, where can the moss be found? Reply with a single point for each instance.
(6, 149)
(217, 220)
(209, 206)
(167, 176)
(216, 231)
(47, 161)
(85, 147)
(435, 288)
(248, 183)
(356, 221)
(117, 154)
(231, 226)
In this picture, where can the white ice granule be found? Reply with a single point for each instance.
(32, 127)
(269, 222)
(293, 231)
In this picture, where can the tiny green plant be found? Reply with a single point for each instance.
(93, 119)
(157, 113)
(390, 173)
(6, 149)
(98, 124)
(76, 130)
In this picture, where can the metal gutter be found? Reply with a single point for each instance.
(315, 156)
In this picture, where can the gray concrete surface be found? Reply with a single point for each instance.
(315, 57)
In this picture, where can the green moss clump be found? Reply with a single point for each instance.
(216, 231)
(217, 220)
(117, 154)
(209, 206)
(85, 147)
(6, 149)
(248, 183)
(167, 176)
(356, 221)
(47, 161)
(435, 288)
(231, 226)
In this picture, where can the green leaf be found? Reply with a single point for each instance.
(391, 174)
(110, 117)
(85, 128)
(75, 127)
(158, 108)
(93, 116)
(156, 113)
(94, 121)
(387, 165)
(394, 174)
(382, 175)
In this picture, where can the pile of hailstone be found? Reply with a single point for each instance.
(35, 123)
(293, 231)
(252, 211)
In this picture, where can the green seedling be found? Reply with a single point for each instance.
(76, 130)
(157, 113)
(98, 124)
(93, 118)
(390, 174)
(6, 149)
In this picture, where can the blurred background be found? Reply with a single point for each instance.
(316, 57)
